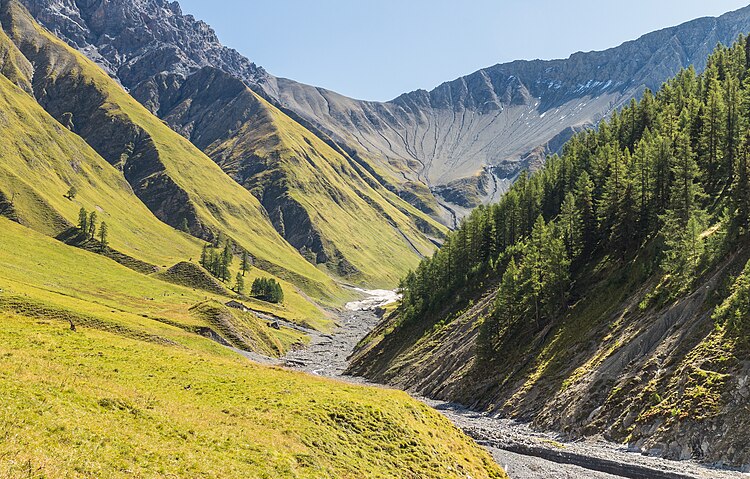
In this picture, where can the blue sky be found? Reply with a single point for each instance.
(378, 49)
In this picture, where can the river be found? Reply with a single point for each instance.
(522, 452)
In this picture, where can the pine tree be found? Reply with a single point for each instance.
(92, 225)
(226, 260)
(239, 283)
(104, 236)
(72, 193)
(571, 224)
(684, 221)
(83, 221)
(713, 132)
(584, 196)
(245, 266)
(204, 256)
(185, 226)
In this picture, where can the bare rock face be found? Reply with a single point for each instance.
(136, 40)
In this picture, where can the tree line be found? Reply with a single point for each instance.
(87, 228)
(671, 170)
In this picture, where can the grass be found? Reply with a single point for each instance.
(43, 269)
(134, 392)
(370, 227)
(97, 405)
(221, 204)
(41, 160)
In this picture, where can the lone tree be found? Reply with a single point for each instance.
(71, 194)
(104, 236)
(185, 226)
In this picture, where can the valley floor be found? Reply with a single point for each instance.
(523, 453)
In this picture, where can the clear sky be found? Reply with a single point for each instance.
(378, 49)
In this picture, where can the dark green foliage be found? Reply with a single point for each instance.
(239, 284)
(184, 226)
(267, 289)
(245, 265)
(104, 236)
(83, 221)
(671, 170)
(92, 225)
(72, 193)
(216, 261)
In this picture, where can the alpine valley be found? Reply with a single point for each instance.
(540, 269)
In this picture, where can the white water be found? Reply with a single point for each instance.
(374, 299)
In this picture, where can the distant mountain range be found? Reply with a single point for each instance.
(444, 151)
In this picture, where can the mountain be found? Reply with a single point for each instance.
(459, 145)
(332, 206)
(499, 120)
(112, 363)
(132, 163)
(607, 293)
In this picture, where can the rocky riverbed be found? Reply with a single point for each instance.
(524, 453)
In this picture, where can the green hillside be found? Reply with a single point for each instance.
(41, 161)
(607, 293)
(331, 207)
(175, 180)
(136, 391)
(368, 234)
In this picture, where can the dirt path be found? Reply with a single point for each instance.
(524, 453)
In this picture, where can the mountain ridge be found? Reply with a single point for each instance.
(492, 124)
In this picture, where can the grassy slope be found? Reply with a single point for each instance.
(96, 405)
(41, 160)
(372, 228)
(62, 277)
(221, 203)
(130, 396)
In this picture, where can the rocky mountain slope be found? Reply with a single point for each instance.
(505, 118)
(320, 198)
(609, 292)
(326, 204)
(446, 150)
(134, 155)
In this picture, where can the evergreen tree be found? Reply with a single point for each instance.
(584, 197)
(684, 221)
(713, 133)
(571, 224)
(239, 286)
(268, 290)
(204, 256)
(185, 226)
(104, 236)
(72, 193)
(92, 225)
(245, 266)
(226, 260)
(83, 221)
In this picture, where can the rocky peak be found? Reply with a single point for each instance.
(134, 40)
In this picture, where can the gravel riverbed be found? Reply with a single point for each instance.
(524, 453)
